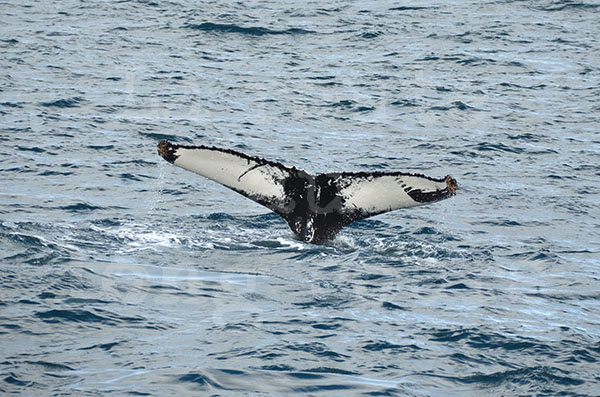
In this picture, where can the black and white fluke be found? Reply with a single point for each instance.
(315, 207)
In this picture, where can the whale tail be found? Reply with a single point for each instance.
(315, 207)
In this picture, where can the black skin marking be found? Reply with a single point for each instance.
(313, 205)
(314, 213)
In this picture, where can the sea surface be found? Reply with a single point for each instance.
(121, 274)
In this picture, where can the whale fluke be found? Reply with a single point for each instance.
(315, 207)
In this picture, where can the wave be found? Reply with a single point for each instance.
(409, 8)
(454, 105)
(252, 31)
(97, 316)
(79, 207)
(64, 103)
(524, 376)
(569, 5)
(285, 379)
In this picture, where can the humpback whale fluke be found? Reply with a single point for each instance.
(315, 207)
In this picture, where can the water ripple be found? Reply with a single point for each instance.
(121, 274)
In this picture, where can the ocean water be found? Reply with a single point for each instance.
(121, 274)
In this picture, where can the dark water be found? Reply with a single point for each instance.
(123, 274)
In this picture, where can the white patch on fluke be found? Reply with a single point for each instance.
(242, 174)
(376, 194)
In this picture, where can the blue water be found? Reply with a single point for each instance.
(123, 274)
